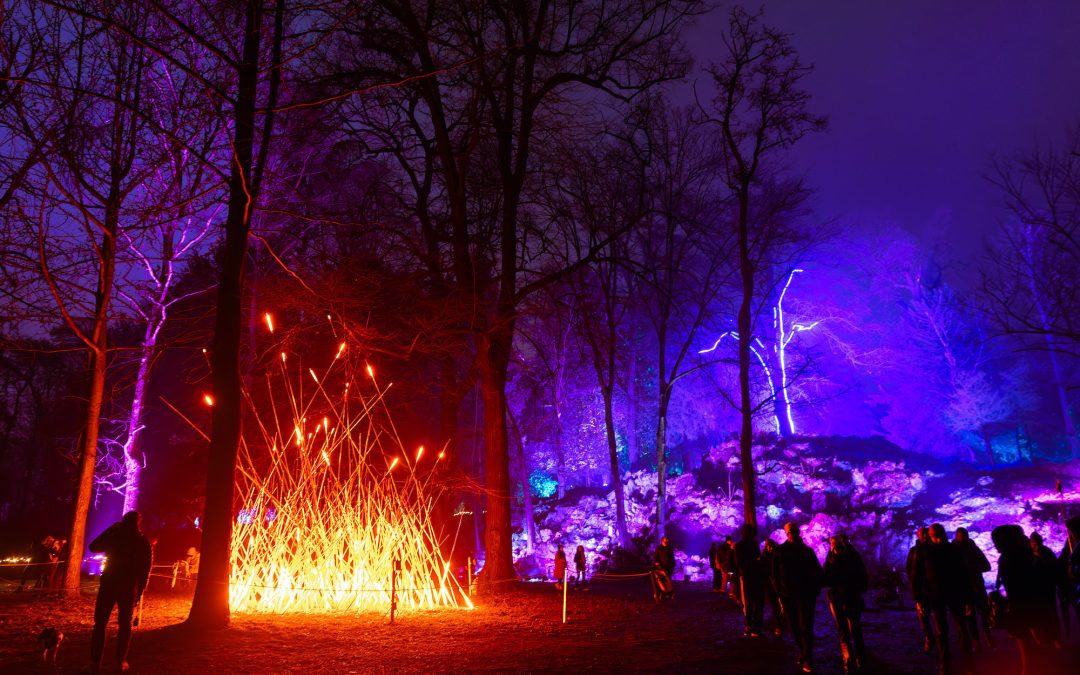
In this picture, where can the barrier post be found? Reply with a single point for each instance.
(565, 589)
(468, 571)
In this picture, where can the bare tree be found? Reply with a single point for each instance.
(523, 65)
(1029, 285)
(759, 110)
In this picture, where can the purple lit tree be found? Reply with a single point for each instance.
(759, 110)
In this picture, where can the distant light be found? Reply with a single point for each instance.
(269, 321)
(419, 453)
(208, 400)
(370, 372)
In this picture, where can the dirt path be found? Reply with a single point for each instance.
(613, 627)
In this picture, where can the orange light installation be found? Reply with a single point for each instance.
(330, 505)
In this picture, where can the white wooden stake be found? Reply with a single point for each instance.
(565, 588)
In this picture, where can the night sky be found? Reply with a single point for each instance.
(920, 95)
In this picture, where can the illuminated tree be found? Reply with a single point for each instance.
(759, 110)
(518, 72)
(1029, 285)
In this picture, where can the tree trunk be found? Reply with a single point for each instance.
(616, 474)
(494, 359)
(210, 607)
(97, 360)
(526, 489)
(632, 450)
(661, 460)
(746, 405)
(988, 446)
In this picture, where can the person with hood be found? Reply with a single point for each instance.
(796, 573)
(128, 558)
(846, 578)
(975, 564)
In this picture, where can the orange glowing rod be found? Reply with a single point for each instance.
(269, 322)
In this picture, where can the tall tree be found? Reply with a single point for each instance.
(527, 68)
(84, 117)
(1029, 285)
(759, 111)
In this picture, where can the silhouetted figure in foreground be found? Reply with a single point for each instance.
(796, 573)
(128, 557)
(942, 580)
(1047, 628)
(1016, 572)
(846, 578)
(975, 564)
(746, 561)
(922, 536)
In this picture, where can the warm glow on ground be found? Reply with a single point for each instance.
(337, 501)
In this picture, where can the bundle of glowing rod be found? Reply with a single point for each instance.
(331, 500)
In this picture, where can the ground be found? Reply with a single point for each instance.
(613, 627)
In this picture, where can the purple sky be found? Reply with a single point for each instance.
(920, 94)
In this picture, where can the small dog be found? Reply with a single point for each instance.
(50, 640)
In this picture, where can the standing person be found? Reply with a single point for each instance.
(943, 583)
(847, 580)
(772, 596)
(1047, 628)
(714, 565)
(797, 575)
(560, 568)
(1016, 571)
(975, 564)
(579, 564)
(723, 561)
(128, 557)
(734, 585)
(38, 567)
(747, 565)
(665, 558)
(922, 536)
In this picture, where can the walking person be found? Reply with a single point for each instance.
(128, 560)
(723, 562)
(797, 575)
(747, 565)
(922, 536)
(942, 582)
(1047, 627)
(1017, 573)
(975, 564)
(846, 578)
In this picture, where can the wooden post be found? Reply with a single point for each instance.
(468, 571)
(393, 588)
(565, 588)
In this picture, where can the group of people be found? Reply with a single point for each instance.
(947, 584)
(43, 570)
(788, 577)
(946, 579)
(561, 571)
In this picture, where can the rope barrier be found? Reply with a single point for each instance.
(326, 589)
